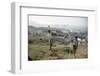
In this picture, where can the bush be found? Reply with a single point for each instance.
(67, 49)
(30, 41)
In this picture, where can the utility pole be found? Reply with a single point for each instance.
(50, 37)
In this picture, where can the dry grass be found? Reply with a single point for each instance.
(40, 51)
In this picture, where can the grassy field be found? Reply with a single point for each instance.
(41, 51)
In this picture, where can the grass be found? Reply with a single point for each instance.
(40, 51)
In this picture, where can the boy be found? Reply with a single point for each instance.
(75, 45)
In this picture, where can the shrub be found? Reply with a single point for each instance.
(67, 49)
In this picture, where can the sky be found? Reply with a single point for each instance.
(44, 21)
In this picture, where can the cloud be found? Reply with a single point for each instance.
(59, 22)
